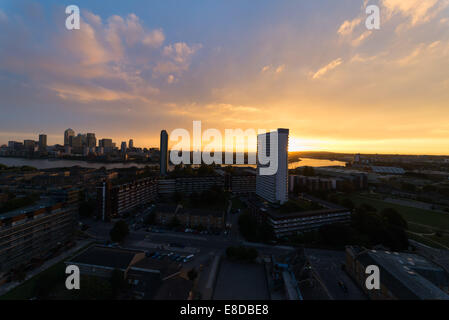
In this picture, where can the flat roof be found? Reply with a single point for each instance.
(166, 267)
(116, 258)
(31, 208)
(408, 276)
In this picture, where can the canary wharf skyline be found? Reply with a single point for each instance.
(134, 68)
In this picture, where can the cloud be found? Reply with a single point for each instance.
(111, 60)
(280, 69)
(171, 79)
(347, 27)
(418, 11)
(270, 69)
(265, 68)
(332, 65)
(358, 41)
(420, 51)
(177, 58)
(180, 52)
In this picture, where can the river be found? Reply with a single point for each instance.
(48, 164)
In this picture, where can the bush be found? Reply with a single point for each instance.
(119, 231)
(242, 253)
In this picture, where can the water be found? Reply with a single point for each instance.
(47, 164)
(309, 162)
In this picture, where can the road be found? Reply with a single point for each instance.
(208, 249)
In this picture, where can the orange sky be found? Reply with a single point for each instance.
(315, 69)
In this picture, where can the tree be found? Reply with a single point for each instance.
(192, 274)
(178, 197)
(119, 231)
(392, 217)
(174, 222)
(308, 171)
(87, 208)
(347, 203)
(242, 253)
(150, 219)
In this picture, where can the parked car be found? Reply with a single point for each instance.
(343, 286)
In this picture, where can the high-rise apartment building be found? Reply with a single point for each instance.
(91, 140)
(274, 187)
(164, 152)
(42, 143)
(107, 145)
(77, 143)
(29, 145)
(67, 136)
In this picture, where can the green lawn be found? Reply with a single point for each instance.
(433, 220)
(419, 220)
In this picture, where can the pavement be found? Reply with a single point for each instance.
(208, 249)
(241, 281)
(327, 268)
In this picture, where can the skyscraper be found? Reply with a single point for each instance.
(42, 143)
(131, 143)
(67, 134)
(164, 152)
(273, 188)
(123, 147)
(107, 145)
(91, 141)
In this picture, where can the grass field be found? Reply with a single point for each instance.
(426, 218)
(419, 220)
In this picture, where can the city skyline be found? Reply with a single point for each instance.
(134, 69)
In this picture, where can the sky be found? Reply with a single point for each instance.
(137, 67)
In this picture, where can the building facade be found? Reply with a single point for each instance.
(31, 233)
(164, 153)
(113, 200)
(274, 187)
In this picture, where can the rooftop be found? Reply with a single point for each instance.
(28, 209)
(164, 267)
(409, 276)
(116, 258)
(276, 212)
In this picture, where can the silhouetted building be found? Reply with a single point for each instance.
(274, 187)
(68, 134)
(164, 152)
(115, 199)
(403, 276)
(42, 143)
(35, 232)
(107, 145)
(91, 140)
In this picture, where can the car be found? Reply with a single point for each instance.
(170, 254)
(179, 258)
(343, 286)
